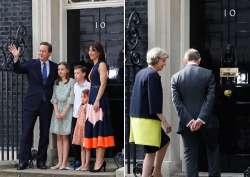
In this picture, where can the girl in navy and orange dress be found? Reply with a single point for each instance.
(98, 130)
(79, 131)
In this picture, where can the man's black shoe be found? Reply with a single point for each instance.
(41, 165)
(22, 166)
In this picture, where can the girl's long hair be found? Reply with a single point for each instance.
(67, 74)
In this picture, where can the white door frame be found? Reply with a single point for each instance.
(80, 5)
(98, 4)
(49, 23)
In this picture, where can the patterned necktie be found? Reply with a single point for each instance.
(44, 73)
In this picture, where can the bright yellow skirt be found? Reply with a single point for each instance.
(145, 131)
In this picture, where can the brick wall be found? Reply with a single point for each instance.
(12, 86)
(12, 14)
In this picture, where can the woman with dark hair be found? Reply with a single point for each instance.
(98, 131)
(62, 100)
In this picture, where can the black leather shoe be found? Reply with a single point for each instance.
(102, 167)
(22, 166)
(41, 165)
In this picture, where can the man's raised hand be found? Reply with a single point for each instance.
(14, 51)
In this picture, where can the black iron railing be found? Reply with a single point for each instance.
(133, 63)
(19, 40)
(12, 87)
(11, 96)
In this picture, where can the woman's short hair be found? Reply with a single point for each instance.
(154, 55)
(192, 55)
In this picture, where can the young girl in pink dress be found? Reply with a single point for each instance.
(79, 131)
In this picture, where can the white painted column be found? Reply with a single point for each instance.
(41, 23)
(153, 28)
(63, 32)
(185, 26)
(55, 29)
(185, 44)
(164, 30)
(46, 25)
(40, 32)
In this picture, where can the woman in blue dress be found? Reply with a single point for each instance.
(148, 126)
(62, 100)
(98, 131)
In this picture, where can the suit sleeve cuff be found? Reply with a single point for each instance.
(202, 121)
(190, 122)
(15, 60)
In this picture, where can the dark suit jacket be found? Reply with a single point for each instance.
(193, 94)
(37, 92)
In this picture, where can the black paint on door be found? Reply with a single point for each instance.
(104, 25)
(214, 26)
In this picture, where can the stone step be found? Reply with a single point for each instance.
(201, 174)
(204, 174)
(8, 169)
(52, 173)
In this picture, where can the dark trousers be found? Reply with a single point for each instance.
(192, 141)
(44, 112)
(75, 149)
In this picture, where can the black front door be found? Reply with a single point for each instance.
(220, 30)
(105, 25)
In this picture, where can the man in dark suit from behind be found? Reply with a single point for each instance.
(41, 74)
(193, 94)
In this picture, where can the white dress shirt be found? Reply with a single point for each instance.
(78, 93)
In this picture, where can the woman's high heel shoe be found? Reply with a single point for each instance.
(102, 167)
